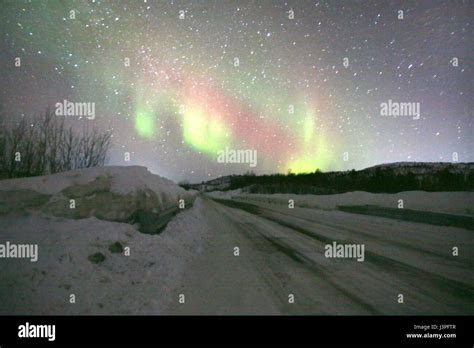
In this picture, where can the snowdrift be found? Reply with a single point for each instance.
(121, 194)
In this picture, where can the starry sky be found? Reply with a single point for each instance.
(301, 82)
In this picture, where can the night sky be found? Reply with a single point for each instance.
(247, 75)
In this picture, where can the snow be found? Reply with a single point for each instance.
(137, 284)
(197, 244)
(282, 252)
(108, 200)
(109, 193)
(442, 202)
(125, 180)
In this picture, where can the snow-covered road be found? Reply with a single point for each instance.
(281, 266)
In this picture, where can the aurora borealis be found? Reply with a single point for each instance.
(178, 81)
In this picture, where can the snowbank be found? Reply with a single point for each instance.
(124, 180)
(224, 194)
(440, 202)
(76, 220)
(109, 193)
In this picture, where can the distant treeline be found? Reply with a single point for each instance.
(375, 180)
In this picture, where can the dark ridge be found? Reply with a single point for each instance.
(385, 178)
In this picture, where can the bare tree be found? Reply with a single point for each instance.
(45, 145)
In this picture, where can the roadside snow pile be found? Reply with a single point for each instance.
(126, 179)
(84, 224)
(440, 202)
(224, 194)
(109, 193)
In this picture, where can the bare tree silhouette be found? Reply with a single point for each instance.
(45, 145)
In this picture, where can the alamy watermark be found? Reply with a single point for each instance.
(345, 251)
(28, 330)
(397, 109)
(68, 108)
(22, 251)
(237, 156)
